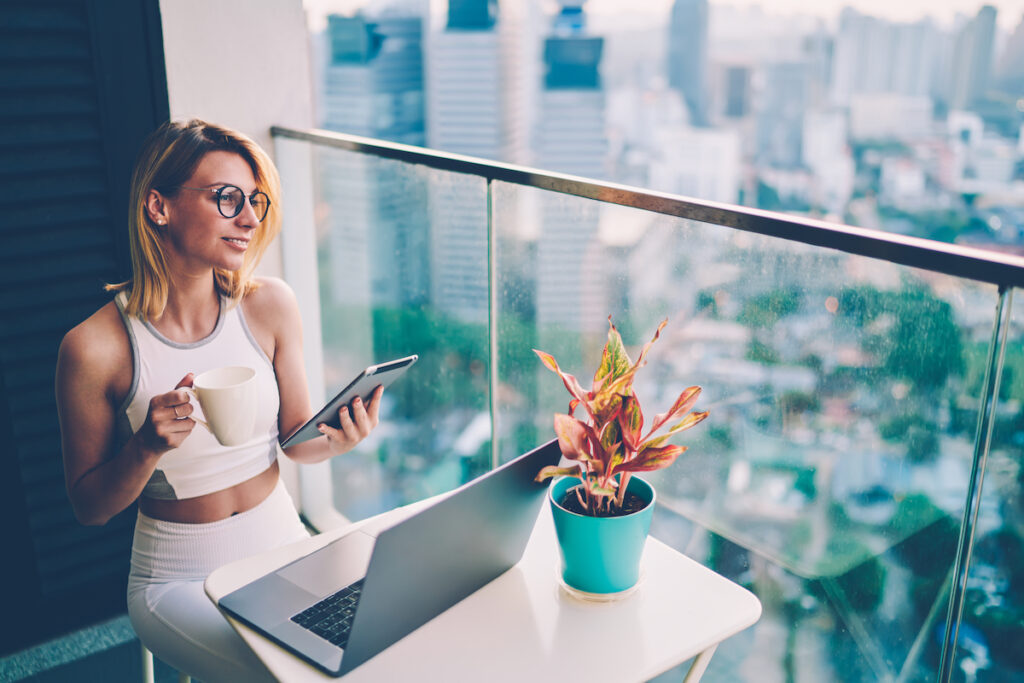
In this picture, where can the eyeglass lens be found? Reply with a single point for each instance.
(231, 199)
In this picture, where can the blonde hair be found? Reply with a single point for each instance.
(168, 158)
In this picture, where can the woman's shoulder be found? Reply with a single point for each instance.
(100, 340)
(272, 296)
(272, 303)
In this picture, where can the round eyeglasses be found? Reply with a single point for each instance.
(231, 199)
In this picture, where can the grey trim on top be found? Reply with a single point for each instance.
(121, 300)
(159, 488)
(191, 345)
(252, 338)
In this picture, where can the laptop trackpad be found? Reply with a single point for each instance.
(333, 567)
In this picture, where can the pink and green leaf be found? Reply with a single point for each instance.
(631, 422)
(597, 489)
(605, 405)
(615, 459)
(690, 420)
(610, 437)
(614, 359)
(572, 437)
(642, 358)
(651, 459)
(694, 418)
(681, 406)
(556, 471)
(570, 382)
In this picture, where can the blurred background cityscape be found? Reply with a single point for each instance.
(844, 390)
(906, 126)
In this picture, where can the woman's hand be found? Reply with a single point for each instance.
(357, 421)
(167, 422)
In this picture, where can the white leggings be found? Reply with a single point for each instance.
(167, 606)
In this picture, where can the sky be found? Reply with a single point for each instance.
(944, 11)
(1010, 12)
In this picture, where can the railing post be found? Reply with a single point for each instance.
(492, 322)
(986, 421)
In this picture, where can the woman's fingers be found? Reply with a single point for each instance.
(373, 410)
(169, 417)
(360, 419)
(174, 405)
(356, 421)
(182, 410)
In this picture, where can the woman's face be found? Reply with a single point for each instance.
(196, 234)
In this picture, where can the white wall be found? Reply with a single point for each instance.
(241, 64)
(245, 65)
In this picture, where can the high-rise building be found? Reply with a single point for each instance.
(377, 229)
(780, 114)
(571, 279)
(476, 106)
(472, 15)
(570, 135)
(688, 55)
(826, 153)
(475, 66)
(736, 91)
(972, 60)
(374, 78)
(699, 162)
(874, 56)
(1010, 72)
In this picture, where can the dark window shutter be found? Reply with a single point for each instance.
(81, 83)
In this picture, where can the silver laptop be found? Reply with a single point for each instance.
(344, 603)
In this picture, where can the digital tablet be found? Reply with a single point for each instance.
(362, 386)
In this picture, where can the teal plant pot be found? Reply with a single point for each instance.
(601, 555)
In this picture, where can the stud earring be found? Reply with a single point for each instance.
(160, 221)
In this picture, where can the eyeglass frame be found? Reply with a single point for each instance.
(219, 191)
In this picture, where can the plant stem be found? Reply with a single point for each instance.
(620, 495)
(580, 499)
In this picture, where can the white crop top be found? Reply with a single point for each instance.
(200, 465)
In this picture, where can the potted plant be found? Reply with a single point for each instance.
(602, 511)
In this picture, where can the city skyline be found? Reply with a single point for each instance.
(1010, 12)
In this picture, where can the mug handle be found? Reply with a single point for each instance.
(192, 394)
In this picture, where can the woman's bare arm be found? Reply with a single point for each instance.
(90, 366)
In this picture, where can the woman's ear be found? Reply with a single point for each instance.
(156, 208)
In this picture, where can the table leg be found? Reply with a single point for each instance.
(147, 664)
(700, 665)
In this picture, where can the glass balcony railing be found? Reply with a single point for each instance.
(862, 467)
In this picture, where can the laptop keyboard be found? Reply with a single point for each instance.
(331, 618)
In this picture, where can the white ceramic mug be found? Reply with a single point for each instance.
(228, 399)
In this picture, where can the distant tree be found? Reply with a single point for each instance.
(706, 302)
(922, 346)
(769, 198)
(795, 401)
(723, 436)
(813, 361)
(895, 427)
(759, 352)
(764, 310)
(860, 304)
(452, 353)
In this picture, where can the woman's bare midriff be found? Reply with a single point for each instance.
(214, 506)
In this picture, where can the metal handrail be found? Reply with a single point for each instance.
(1004, 270)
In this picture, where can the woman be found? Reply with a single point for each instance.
(204, 208)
